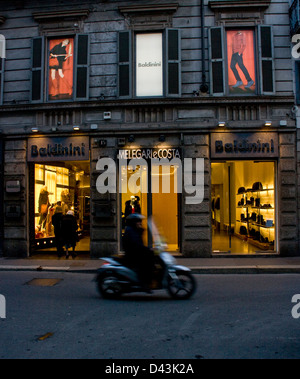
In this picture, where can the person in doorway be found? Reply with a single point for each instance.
(69, 233)
(44, 205)
(238, 47)
(138, 256)
(137, 205)
(57, 223)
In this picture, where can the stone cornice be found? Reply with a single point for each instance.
(233, 5)
(150, 8)
(181, 102)
(60, 15)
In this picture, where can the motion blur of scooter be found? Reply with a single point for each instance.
(115, 279)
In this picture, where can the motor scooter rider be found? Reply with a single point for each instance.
(138, 256)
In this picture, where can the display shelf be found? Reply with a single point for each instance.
(257, 212)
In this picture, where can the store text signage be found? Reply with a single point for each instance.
(244, 145)
(58, 149)
(159, 153)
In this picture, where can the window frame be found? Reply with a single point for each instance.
(44, 67)
(131, 63)
(259, 59)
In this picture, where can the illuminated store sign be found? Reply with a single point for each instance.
(149, 67)
(58, 149)
(256, 145)
(150, 153)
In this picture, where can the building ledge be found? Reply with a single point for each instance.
(60, 15)
(150, 8)
(234, 5)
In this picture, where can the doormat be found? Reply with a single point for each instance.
(43, 282)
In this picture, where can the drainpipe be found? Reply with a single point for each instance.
(204, 86)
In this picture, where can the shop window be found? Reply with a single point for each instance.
(60, 68)
(149, 64)
(243, 203)
(242, 61)
(67, 188)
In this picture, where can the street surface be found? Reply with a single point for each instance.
(231, 316)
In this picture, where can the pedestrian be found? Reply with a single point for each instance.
(69, 233)
(57, 223)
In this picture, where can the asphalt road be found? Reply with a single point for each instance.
(231, 316)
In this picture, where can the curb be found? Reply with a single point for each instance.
(217, 270)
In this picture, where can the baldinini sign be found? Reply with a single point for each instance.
(58, 149)
(244, 145)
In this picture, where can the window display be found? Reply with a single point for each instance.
(60, 190)
(243, 207)
(61, 68)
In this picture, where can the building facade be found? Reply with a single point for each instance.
(202, 81)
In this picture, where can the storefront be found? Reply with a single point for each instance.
(244, 193)
(151, 190)
(59, 172)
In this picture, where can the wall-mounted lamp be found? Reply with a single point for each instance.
(162, 138)
(268, 123)
(222, 124)
(76, 128)
(34, 130)
(131, 138)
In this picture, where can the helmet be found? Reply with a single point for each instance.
(134, 218)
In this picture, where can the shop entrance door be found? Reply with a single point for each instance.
(243, 199)
(162, 206)
(59, 187)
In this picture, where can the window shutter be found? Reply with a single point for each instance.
(37, 70)
(173, 70)
(125, 64)
(216, 44)
(266, 54)
(2, 63)
(82, 67)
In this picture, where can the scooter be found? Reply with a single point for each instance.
(114, 278)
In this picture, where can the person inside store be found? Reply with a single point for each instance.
(137, 205)
(44, 205)
(69, 233)
(138, 257)
(57, 223)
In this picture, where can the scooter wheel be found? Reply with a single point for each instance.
(182, 287)
(109, 287)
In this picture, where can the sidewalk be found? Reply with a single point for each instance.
(215, 265)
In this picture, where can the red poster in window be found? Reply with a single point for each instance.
(61, 68)
(241, 61)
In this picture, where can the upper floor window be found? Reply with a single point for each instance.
(242, 61)
(60, 68)
(149, 64)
